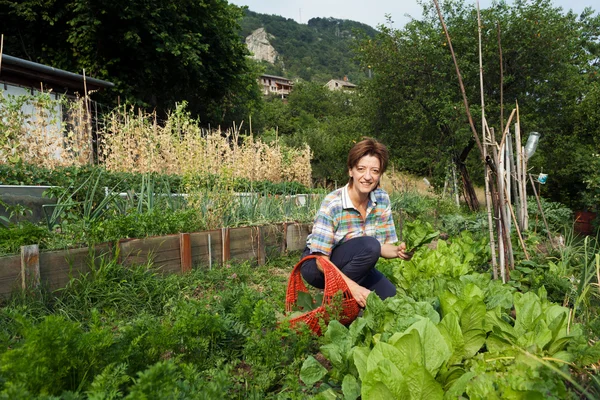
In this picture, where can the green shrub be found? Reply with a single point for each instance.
(23, 234)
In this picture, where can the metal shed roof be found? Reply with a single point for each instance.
(28, 73)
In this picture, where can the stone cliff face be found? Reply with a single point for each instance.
(260, 47)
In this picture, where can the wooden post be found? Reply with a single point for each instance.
(209, 251)
(261, 256)
(30, 266)
(284, 241)
(185, 252)
(226, 245)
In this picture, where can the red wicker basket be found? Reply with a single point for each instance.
(333, 283)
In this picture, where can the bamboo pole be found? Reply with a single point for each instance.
(523, 177)
(460, 81)
(537, 197)
(502, 209)
(508, 180)
(519, 232)
(88, 119)
(505, 209)
(501, 81)
(519, 163)
(1, 50)
(488, 196)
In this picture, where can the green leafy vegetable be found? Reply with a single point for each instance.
(312, 371)
(416, 234)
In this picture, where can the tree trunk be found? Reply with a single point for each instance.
(468, 189)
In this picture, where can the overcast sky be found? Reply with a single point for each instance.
(370, 12)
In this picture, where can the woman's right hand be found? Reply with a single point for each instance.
(360, 294)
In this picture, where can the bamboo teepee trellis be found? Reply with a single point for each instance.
(503, 169)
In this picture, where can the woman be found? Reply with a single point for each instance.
(354, 227)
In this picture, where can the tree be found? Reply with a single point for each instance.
(550, 62)
(157, 52)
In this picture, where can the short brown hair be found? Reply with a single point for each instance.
(368, 147)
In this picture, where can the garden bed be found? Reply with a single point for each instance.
(167, 254)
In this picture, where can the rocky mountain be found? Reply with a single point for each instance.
(259, 44)
(317, 51)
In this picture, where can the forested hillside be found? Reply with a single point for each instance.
(317, 51)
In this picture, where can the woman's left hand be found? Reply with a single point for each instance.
(402, 253)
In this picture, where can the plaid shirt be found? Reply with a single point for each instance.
(339, 221)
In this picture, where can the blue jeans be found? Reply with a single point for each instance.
(356, 258)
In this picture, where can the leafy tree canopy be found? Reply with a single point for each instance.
(157, 52)
(550, 66)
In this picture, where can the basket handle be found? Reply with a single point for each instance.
(296, 284)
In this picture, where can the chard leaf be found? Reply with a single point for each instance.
(312, 371)
(472, 292)
(334, 354)
(435, 348)
(360, 354)
(410, 348)
(338, 337)
(450, 303)
(494, 321)
(558, 345)
(357, 329)
(350, 387)
(421, 385)
(496, 343)
(565, 356)
(328, 394)
(474, 341)
(384, 382)
(473, 316)
(460, 385)
(385, 351)
(416, 234)
(472, 322)
(528, 308)
(450, 330)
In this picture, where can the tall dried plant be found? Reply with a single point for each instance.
(135, 141)
(44, 130)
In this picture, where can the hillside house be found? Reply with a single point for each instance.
(271, 84)
(336, 84)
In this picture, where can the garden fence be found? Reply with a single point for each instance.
(178, 253)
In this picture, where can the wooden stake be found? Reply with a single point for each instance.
(460, 82)
(209, 252)
(519, 177)
(185, 252)
(1, 50)
(501, 82)
(226, 245)
(518, 231)
(537, 197)
(488, 196)
(30, 266)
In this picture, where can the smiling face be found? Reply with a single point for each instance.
(365, 174)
